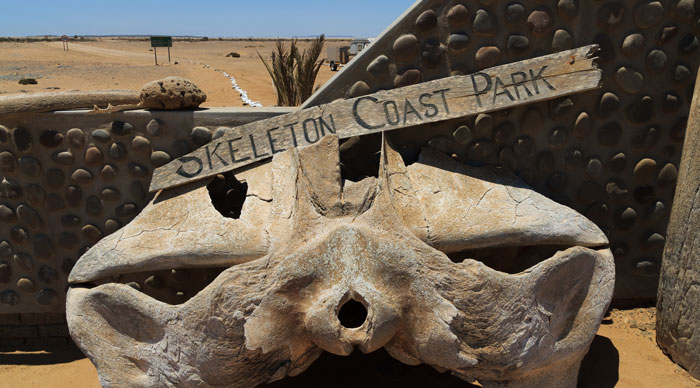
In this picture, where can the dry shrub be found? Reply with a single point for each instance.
(293, 72)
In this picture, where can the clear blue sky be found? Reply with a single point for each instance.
(213, 18)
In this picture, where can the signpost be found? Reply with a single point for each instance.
(496, 88)
(161, 41)
(64, 39)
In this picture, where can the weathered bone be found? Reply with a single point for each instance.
(324, 241)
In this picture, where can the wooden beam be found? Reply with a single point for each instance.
(496, 88)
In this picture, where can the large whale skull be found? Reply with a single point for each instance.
(402, 250)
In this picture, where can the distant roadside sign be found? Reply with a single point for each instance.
(161, 41)
(64, 38)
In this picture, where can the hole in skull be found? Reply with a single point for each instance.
(359, 157)
(173, 287)
(376, 370)
(510, 260)
(352, 314)
(228, 194)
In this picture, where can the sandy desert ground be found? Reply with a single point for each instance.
(121, 64)
(624, 354)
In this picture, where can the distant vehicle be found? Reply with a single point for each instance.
(342, 55)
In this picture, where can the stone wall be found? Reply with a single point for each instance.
(611, 154)
(71, 178)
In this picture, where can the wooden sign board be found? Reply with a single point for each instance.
(161, 41)
(497, 88)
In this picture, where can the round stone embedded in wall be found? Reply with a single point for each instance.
(668, 175)
(138, 170)
(504, 133)
(4, 134)
(68, 240)
(55, 202)
(524, 147)
(5, 250)
(609, 102)
(594, 168)
(76, 138)
(648, 14)
(51, 139)
(629, 80)
(10, 189)
(120, 128)
(30, 166)
(47, 274)
(582, 125)
(458, 15)
(487, 57)
(633, 44)
(7, 214)
(463, 135)
(616, 190)
(126, 210)
(484, 23)
(432, 52)
(74, 195)
(657, 61)
(108, 172)
(110, 194)
(9, 297)
(102, 136)
(24, 261)
(426, 21)
(29, 217)
(93, 156)
(409, 77)
(8, 162)
(515, 13)
(360, 88)
(617, 163)
(562, 40)
(5, 272)
(70, 221)
(93, 205)
(160, 158)
(539, 22)
(379, 67)
(26, 285)
(645, 170)
(457, 43)
(517, 43)
(141, 144)
(688, 44)
(43, 248)
(611, 14)
(92, 233)
(22, 139)
(47, 297)
(112, 225)
(680, 73)
(627, 218)
(65, 158)
(567, 9)
(117, 151)
(481, 149)
(81, 176)
(508, 159)
(406, 48)
(153, 127)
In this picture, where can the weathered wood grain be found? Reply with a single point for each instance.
(497, 88)
(71, 99)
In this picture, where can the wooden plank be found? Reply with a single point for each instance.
(496, 88)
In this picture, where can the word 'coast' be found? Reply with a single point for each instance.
(496, 88)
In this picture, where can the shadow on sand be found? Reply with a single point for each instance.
(600, 367)
(32, 355)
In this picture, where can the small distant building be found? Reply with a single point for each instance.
(343, 55)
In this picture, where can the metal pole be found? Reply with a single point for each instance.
(155, 53)
(168, 55)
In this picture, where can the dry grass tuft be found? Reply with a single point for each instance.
(293, 72)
